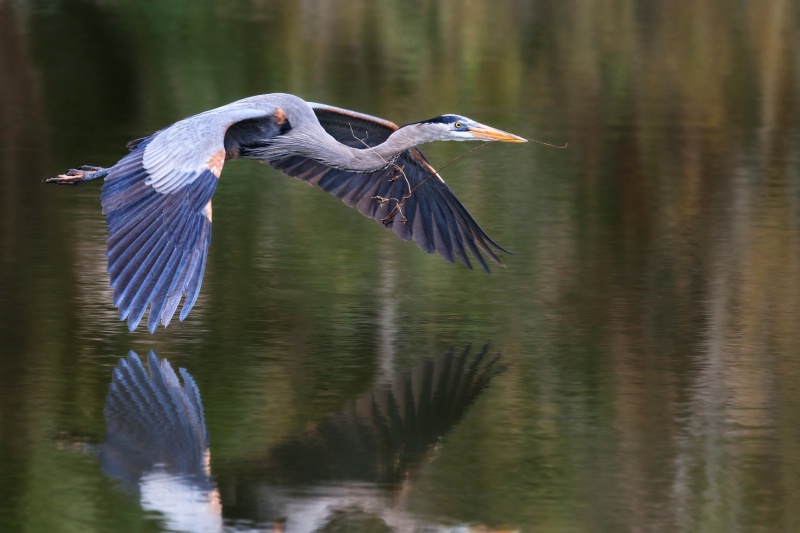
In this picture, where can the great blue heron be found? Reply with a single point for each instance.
(157, 199)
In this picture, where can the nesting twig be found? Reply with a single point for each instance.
(388, 219)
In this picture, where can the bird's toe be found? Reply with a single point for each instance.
(70, 177)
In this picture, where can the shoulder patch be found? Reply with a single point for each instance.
(215, 162)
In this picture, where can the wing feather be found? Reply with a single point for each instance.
(193, 283)
(157, 206)
(161, 287)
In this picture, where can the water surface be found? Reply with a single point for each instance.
(649, 315)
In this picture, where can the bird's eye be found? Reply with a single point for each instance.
(458, 125)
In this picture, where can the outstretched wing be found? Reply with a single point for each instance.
(408, 196)
(157, 202)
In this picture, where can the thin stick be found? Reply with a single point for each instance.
(548, 144)
(399, 203)
(397, 168)
(481, 146)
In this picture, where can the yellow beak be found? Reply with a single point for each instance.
(487, 133)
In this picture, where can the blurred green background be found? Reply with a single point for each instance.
(650, 313)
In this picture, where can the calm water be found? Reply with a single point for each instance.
(649, 318)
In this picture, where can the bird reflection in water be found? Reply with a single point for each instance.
(353, 468)
(156, 443)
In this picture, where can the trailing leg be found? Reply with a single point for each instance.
(82, 174)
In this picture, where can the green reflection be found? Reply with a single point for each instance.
(650, 312)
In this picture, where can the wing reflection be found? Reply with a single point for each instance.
(353, 467)
(156, 443)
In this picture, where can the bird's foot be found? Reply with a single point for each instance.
(82, 174)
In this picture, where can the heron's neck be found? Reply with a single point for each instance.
(368, 159)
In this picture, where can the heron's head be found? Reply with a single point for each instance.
(458, 128)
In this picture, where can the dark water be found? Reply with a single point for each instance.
(649, 317)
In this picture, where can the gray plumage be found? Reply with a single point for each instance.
(157, 199)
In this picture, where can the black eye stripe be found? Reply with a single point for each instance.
(447, 119)
(444, 119)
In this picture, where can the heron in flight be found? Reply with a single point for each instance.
(157, 199)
